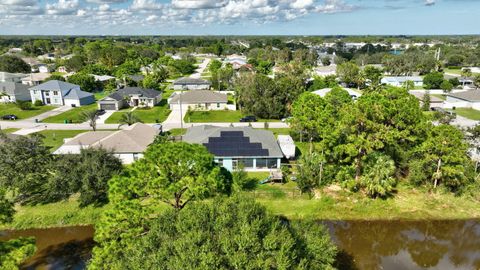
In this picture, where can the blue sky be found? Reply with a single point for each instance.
(239, 17)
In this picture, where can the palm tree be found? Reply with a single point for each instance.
(91, 117)
(129, 118)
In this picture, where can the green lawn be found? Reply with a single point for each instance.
(156, 114)
(442, 97)
(13, 109)
(218, 116)
(453, 71)
(177, 131)
(54, 138)
(468, 113)
(9, 130)
(75, 115)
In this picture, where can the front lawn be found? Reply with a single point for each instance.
(468, 113)
(54, 138)
(9, 130)
(74, 115)
(23, 114)
(156, 114)
(224, 116)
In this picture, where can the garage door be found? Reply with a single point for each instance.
(108, 107)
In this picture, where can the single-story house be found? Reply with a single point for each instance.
(326, 70)
(323, 92)
(465, 99)
(61, 94)
(255, 149)
(44, 68)
(399, 81)
(128, 144)
(11, 77)
(187, 83)
(13, 92)
(198, 100)
(102, 78)
(435, 102)
(130, 96)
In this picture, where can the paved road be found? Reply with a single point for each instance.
(198, 72)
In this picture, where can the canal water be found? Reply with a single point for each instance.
(362, 244)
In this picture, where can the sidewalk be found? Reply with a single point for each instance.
(50, 113)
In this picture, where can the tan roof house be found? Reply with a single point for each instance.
(128, 144)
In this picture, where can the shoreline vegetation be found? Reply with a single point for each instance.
(284, 200)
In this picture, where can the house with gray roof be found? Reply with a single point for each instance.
(13, 92)
(60, 94)
(464, 99)
(254, 149)
(127, 144)
(198, 100)
(11, 77)
(130, 96)
(188, 83)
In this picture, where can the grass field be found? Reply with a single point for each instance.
(54, 138)
(156, 114)
(218, 117)
(468, 113)
(13, 109)
(453, 71)
(9, 130)
(75, 115)
(442, 97)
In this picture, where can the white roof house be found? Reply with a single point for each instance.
(323, 92)
(400, 80)
(464, 99)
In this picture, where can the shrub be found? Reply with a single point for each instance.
(24, 105)
(378, 179)
(38, 103)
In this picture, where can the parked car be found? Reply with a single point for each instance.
(248, 118)
(10, 117)
(100, 112)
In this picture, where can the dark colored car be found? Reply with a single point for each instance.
(249, 118)
(100, 112)
(10, 117)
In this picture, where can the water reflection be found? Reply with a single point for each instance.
(407, 244)
(57, 248)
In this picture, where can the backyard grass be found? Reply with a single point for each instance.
(177, 131)
(453, 71)
(286, 200)
(224, 116)
(468, 113)
(23, 114)
(54, 138)
(74, 115)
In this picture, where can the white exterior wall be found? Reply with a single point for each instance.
(70, 102)
(129, 158)
(199, 107)
(476, 106)
(42, 96)
(191, 87)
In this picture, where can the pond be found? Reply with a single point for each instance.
(363, 245)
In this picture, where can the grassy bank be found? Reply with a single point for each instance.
(23, 114)
(59, 214)
(222, 116)
(468, 113)
(74, 115)
(286, 200)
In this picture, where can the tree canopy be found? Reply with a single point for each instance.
(13, 64)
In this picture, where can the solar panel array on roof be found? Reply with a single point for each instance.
(234, 144)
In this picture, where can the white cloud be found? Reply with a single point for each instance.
(145, 5)
(429, 2)
(20, 2)
(299, 4)
(198, 4)
(63, 7)
(106, 1)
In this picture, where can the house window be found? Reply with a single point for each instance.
(136, 156)
(35, 92)
(218, 105)
(264, 163)
(246, 162)
(55, 93)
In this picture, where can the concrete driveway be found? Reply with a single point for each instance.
(198, 72)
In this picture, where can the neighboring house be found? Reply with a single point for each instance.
(435, 102)
(130, 96)
(326, 70)
(102, 78)
(255, 149)
(472, 69)
(198, 100)
(323, 92)
(465, 99)
(33, 79)
(187, 83)
(128, 144)
(401, 80)
(61, 94)
(13, 92)
(62, 69)
(42, 68)
(11, 77)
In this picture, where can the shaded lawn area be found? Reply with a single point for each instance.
(177, 131)
(442, 97)
(223, 116)
(453, 71)
(54, 138)
(23, 114)
(75, 115)
(468, 113)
